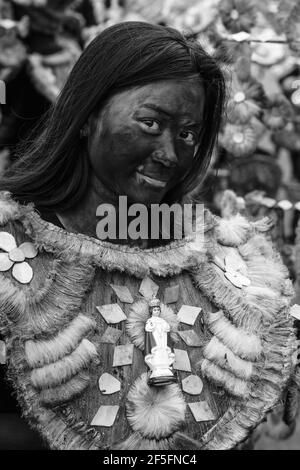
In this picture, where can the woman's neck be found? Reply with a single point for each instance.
(83, 218)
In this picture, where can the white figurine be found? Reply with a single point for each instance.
(158, 354)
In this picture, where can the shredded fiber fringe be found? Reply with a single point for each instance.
(59, 372)
(221, 355)
(155, 412)
(40, 353)
(245, 345)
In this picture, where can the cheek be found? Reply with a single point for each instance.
(185, 156)
(121, 151)
(128, 144)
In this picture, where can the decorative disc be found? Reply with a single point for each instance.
(123, 293)
(192, 385)
(219, 262)
(112, 313)
(16, 255)
(201, 411)
(111, 335)
(233, 278)
(148, 288)
(123, 355)
(5, 262)
(188, 314)
(171, 294)
(22, 272)
(28, 249)
(295, 311)
(245, 281)
(7, 241)
(234, 262)
(190, 338)
(182, 360)
(105, 416)
(108, 384)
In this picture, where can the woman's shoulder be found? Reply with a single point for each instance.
(234, 232)
(246, 262)
(10, 209)
(24, 266)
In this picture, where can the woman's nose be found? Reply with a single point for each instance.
(166, 153)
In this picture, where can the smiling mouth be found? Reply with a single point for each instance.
(152, 181)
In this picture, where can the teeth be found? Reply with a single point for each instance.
(152, 181)
(140, 168)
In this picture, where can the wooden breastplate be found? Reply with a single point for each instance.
(90, 402)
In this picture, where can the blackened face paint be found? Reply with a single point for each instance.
(144, 139)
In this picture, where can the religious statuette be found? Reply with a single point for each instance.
(158, 354)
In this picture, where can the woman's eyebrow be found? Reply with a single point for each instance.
(157, 108)
(162, 111)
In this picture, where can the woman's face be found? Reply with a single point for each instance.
(144, 139)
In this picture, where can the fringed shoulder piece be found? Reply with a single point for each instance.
(163, 261)
(251, 353)
(233, 229)
(11, 210)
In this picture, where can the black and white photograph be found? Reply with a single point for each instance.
(149, 228)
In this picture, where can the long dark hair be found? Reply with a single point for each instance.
(52, 169)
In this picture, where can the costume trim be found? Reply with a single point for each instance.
(216, 351)
(243, 344)
(40, 353)
(66, 391)
(162, 261)
(260, 312)
(234, 231)
(234, 385)
(178, 441)
(60, 371)
(247, 316)
(155, 412)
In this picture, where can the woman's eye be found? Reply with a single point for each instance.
(189, 137)
(151, 124)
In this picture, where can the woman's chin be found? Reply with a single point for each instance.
(146, 197)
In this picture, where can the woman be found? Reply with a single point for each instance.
(138, 117)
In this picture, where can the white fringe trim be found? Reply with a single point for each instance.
(9, 209)
(59, 372)
(247, 346)
(39, 353)
(233, 231)
(162, 261)
(154, 412)
(221, 355)
(234, 385)
(65, 392)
